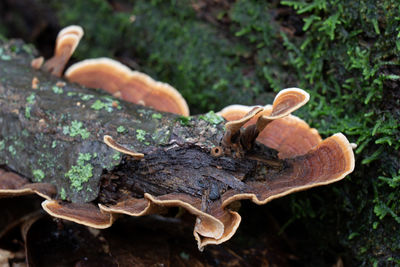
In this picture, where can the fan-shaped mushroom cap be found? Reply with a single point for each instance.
(86, 214)
(11, 184)
(291, 136)
(66, 43)
(287, 101)
(327, 163)
(234, 112)
(132, 86)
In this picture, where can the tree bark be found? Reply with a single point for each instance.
(54, 134)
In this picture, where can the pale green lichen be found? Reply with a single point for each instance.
(156, 116)
(28, 112)
(97, 105)
(140, 135)
(38, 175)
(2, 145)
(54, 144)
(81, 172)
(121, 129)
(28, 48)
(109, 104)
(5, 57)
(12, 150)
(29, 100)
(211, 118)
(75, 129)
(57, 90)
(161, 136)
(71, 93)
(116, 156)
(86, 97)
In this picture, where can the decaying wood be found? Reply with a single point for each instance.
(55, 134)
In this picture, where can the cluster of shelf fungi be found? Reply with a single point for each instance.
(261, 154)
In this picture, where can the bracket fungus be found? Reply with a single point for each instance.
(66, 43)
(261, 154)
(132, 86)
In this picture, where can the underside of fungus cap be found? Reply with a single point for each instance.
(86, 213)
(212, 227)
(66, 43)
(11, 184)
(132, 86)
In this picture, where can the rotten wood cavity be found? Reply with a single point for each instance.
(55, 135)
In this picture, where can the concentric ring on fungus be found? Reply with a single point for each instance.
(132, 86)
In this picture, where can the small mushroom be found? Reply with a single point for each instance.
(132, 86)
(286, 101)
(114, 145)
(37, 63)
(233, 127)
(66, 43)
(288, 134)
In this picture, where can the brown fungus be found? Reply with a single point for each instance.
(286, 101)
(132, 86)
(66, 43)
(86, 213)
(11, 184)
(114, 145)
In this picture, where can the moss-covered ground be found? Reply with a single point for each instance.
(216, 53)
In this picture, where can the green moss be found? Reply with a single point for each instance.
(57, 90)
(63, 194)
(81, 172)
(75, 129)
(183, 120)
(212, 118)
(38, 175)
(2, 145)
(121, 129)
(140, 135)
